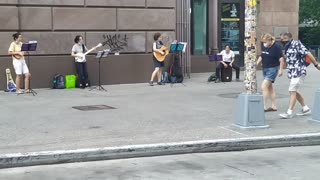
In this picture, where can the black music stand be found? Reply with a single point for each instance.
(27, 47)
(100, 54)
(176, 48)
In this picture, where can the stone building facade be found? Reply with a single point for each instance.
(128, 25)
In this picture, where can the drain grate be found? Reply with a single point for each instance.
(93, 107)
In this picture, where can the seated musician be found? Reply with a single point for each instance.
(228, 57)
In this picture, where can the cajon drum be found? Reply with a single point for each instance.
(226, 74)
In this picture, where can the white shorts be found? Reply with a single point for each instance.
(20, 66)
(295, 83)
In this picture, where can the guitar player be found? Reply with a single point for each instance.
(157, 44)
(78, 49)
(19, 63)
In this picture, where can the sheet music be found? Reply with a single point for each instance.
(184, 46)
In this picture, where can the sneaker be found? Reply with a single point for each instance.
(238, 80)
(150, 83)
(160, 83)
(217, 81)
(303, 113)
(286, 116)
(19, 91)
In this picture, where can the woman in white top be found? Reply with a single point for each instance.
(19, 63)
(227, 61)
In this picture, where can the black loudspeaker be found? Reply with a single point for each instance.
(226, 74)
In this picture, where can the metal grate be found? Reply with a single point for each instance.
(93, 107)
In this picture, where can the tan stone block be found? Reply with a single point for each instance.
(36, 18)
(124, 41)
(167, 39)
(53, 2)
(294, 30)
(8, 1)
(265, 18)
(146, 19)
(285, 19)
(279, 5)
(69, 2)
(278, 30)
(6, 39)
(52, 42)
(162, 3)
(9, 18)
(36, 2)
(127, 3)
(84, 18)
(262, 30)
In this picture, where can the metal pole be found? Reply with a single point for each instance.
(250, 56)
(249, 112)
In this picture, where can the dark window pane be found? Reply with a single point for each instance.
(199, 27)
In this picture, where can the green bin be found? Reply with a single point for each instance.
(70, 81)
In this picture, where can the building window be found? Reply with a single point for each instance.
(199, 27)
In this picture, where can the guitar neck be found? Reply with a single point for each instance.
(89, 51)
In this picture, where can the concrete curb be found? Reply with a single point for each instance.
(131, 151)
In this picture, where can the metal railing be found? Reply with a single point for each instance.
(315, 50)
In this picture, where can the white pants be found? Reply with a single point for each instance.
(20, 66)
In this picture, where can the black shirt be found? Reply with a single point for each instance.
(271, 55)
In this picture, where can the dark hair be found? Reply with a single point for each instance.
(16, 35)
(227, 45)
(156, 36)
(77, 38)
(289, 35)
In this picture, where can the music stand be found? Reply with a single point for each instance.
(176, 48)
(100, 54)
(27, 47)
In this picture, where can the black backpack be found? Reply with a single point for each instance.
(175, 73)
(213, 77)
(58, 82)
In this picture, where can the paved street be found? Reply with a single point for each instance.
(294, 163)
(143, 115)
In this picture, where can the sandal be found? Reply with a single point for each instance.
(27, 91)
(270, 109)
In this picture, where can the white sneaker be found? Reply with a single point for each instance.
(303, 113)
(20, 91)
(286, 116)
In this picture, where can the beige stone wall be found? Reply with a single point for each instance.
(276, 16)
(54, 23)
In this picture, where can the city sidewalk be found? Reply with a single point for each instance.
(142, 115)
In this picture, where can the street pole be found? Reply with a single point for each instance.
(249, 112)
(250, 78)
(316, 113)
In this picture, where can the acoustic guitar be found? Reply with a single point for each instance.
(159, 56)
(17, 56)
